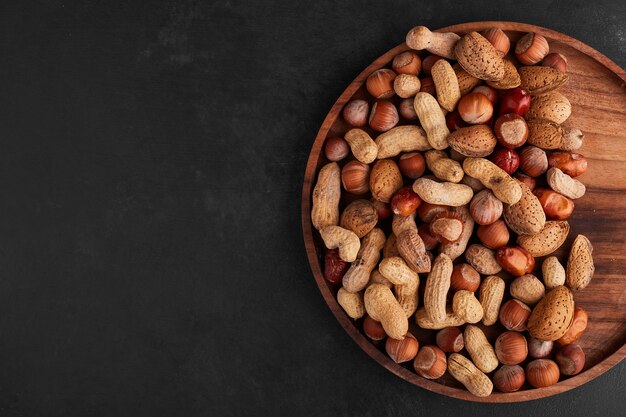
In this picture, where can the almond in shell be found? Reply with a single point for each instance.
(540, 80)
(554, 314)
(479, 58)
(552, 106)
(527, 215)
(580, 267)
(547, 241)
(511, 77)
(474, 141)
(385, 180)
(544, 134)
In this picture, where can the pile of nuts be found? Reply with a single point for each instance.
(445, 177)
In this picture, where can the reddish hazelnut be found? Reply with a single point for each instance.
(515, 100)
(507, 159)
(464, 277)
(475, 108)
(529, 181)
(405, 201)
(384, 116)
(383, 210)
(336, 149)
(515, 260)
(412, 165)
(542, 373)
(531, 48)
(355, 113)
(373, 329)
(428, 62)
(509, 378)
(498, 39)
(571, 359)
(555, 205)
(402, 350)
(406, 109)
(533, 161)
(556, 61)
(407, 62)
(494, 235)
(454, 121)
(428, 86)
(450, 339)
(380, 83)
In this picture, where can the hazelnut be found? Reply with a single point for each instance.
(383, 116)
(506, 159)
(489, 92)
(464, 277)
(498, 39)
(373, 329)
(515, 260)
(542, 373)
(406, 85)
(514, 315)
(430, 241)
(380, 83)
(556, 61)
(528, 289)
(383, 210)
(427, 211)
(475, 108)
(355, 113)
(336, 149)
(530, 182)
(355, 177)
(533, 161)
(402, 350)
(573, 164)
(405, 201)
(454, 121)
(555, 205)
(494, 235)
(430, 362)
(334, 267)
(511, 348)
(511, 130)
(412, 165)
(578, 327)
(531, 48)
(539, 349)
(406, 109)
(428, 86)
(407, 63)
(485, 208)
(571, 359)
(428, 62)
(509, 378)
(450, 339)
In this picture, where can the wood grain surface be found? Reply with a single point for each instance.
(596, 90)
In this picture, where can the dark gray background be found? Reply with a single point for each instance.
(151, 163)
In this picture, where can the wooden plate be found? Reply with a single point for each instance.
(597, 93)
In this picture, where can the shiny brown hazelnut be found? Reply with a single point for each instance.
(355, 177)
(498, 39)
(407, 62)
(571, 359)
(494, 235)
(383, 116)
(380, 83)
(475, 108)
(402, 350)
(511, 348)
(427, 211)
(489, 92)
(464, 277)
(450, 339)
(514, 315)
(556, 61)
(542, 373)
(355, 113)
(428, 86)
(530, 182)
(515, 260)
(533, 161)
(430, 241)
(373, 329)
(531, 48)
(412, 165)
(430, 362)
(428, 62)
(578, 327)
(509, 378)
(485, 208)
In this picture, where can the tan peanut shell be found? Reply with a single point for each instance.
(572, 139)
(504, 187)
(544, 134)
(326, 196)
(401, 139)
(467, 82)
(344, 239)
(526, 217)
(451, 320)
(360, 216)
(390, 249)
(580, 267)
(540, 80)
(552, 106)
(554, 314)
(432, 120)
(553, 272)
(547, 241)
(490, 295)
(446, 84)
(466, 305)
(444, 193)
(377, 278)
(385, 180)
(528, 289)
(411, 248)
(363, 147)
(464, 371)
(352, 303)
(406, 85)
(456, 249)
(358, 275)
(401, 223)
(482, 259)
(478, 57)
(382, 306)
(442, 44)
(564, 184)
(449, 229)
(406, 283)
(482, 353)
(437, 286)
(511, 77)
(442, 167)
(475, 141)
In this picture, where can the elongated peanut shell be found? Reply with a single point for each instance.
(564, 184)
(464, 371)
(406, 283)
(437, 286)
(451, 320)
(482, 353)
(527, 215)
(326, 196)
(456, 249)
(442, 167)
(547, 241)
(338, 237)
(551, 318)
(445, 193)
(401, 223)
(490, 296)
(475, 141)
(478, 57)
(352, 303)
(446, 84)
(504, 187)
(363, 147)
(580, 267)
(382, 306)
(540, 80)
(467, 306)
(432, 120)
(442, 44)
(358, 275)
(401, 139)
